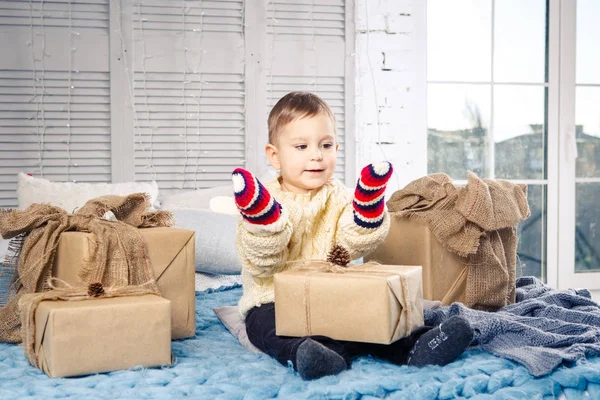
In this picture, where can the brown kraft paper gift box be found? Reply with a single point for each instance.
(171, 252)
(92, 336)
(373, 303)
(410, 242)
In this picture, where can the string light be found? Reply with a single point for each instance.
(42, 98)
(185, 103)
(39, 97)
(375, 94)
(199, 110)
(144, 80)
(70, 89)
(314, 47)
(243, 33)
(31, 43)
(192, 76)
(130, 88)
(274, 22)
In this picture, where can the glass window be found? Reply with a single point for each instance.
(587, 135)
(587, 245)
(531, 260)
(519, 132)
(487, 102)
(458, 124)
(520, 41)
(459, 40)
(588, 35)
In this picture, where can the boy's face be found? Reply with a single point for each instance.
(305, 153)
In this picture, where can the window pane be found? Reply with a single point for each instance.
(459, 40)
(520, 41)
(519, 131)
(531, 256)
(458, 121)
(587, 131)
(587, 245)
(588, 36)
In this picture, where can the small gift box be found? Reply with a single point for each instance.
(362, 303)
(79, 337)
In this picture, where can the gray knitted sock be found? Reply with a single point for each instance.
(443, 344)
(313, 360)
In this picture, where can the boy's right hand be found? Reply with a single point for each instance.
(254, 201)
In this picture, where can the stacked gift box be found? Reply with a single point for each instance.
(100, 334)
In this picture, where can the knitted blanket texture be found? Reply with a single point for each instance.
(541, 330)
(213, 365)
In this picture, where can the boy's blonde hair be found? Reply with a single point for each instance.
(296, 105)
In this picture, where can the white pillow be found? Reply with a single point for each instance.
(71, 195)
(224, 205)
(198, 199)
(215, 240)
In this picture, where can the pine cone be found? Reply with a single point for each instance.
(339, 255)
(95, 289)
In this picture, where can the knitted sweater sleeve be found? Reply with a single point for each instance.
(359, 241)
(263, 249)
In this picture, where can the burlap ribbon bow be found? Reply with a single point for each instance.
(476, 222)
(119, 254)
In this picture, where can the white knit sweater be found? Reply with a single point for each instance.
(310, 225)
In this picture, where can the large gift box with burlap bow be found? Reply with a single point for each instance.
(170, 252)
(71, 332)
(362, 303)
(464, 237)
(114, 253)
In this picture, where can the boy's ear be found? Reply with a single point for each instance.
(273, 156)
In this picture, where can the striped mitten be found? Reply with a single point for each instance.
(369, 195)
(254, 201)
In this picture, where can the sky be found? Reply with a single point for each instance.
(460, 49)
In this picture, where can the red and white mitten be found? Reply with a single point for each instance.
(254, 201)
(370, 193)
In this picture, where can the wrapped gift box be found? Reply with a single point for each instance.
(171, 252)
(100, 335)
(368, 303)
(410, 242)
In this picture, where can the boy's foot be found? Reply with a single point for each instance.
(443, 344)
(313, 360)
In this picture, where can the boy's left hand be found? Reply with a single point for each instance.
(369, 195)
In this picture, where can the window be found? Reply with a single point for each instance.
(487, 102)
(587, 136)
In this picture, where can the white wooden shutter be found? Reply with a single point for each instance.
(308, 49)
(189, 92)
(54, 92)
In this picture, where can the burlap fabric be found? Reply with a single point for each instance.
(477, 221)
(119, 255)
(28, 303)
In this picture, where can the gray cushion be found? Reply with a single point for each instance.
(231, 318)
(216, 252)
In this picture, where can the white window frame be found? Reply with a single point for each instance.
(561, 146)
(567, 278)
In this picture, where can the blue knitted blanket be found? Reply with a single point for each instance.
(543, 329)
(213, 365)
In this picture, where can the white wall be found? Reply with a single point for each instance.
(390, 86)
